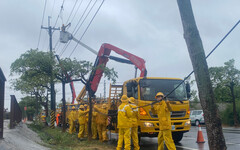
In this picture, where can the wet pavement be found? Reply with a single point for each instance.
(189, 141)
(20, 138)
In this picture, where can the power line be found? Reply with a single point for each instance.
(77, 10)
(59, 13)
(85, 17)
(42, 22)
(72, 11)
(193, 70)
(67, 44)
(53, 7)
(87, 27)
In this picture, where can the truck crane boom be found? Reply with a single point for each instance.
(103, 55)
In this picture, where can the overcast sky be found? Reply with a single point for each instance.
(150, 29)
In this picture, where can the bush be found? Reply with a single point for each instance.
(227, 114)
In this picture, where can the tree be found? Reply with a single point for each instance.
(225, 80)
(30, 103)
(74, 70)
(216, 139)
(33, 68)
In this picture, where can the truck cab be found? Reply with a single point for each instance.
(144, 91)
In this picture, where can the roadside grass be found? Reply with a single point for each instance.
(56, 139)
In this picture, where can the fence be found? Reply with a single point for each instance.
(2, 88)
(16, 113)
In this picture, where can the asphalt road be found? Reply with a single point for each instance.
(189, 141)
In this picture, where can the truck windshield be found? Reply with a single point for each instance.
(150, 87)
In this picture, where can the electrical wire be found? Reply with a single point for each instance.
(193, 70)
(42, 23)
(72, 11)
(53, 7)
(77, 10)
(87, 27)
(82, 16)
(66, 45)
(59, 14)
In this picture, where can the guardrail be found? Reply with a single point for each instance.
(16, 113)
(2, 89)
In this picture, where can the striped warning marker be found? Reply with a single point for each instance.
(52, 118)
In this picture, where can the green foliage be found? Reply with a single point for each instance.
(223, 78)
(56, 139)
(30, 103)
(34, 69)
(227, 114)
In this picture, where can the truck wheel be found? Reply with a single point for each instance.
(177, 136)
(197, 122)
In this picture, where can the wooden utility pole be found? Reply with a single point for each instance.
(216, 139)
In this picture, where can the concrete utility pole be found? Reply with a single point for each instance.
(53, 98)
(193, 40)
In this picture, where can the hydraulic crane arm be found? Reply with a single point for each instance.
(81, 95)
(102, 58)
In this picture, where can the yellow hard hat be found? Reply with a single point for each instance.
(85, 105)
(81, 107)
(104, 106)
(159, 94)
(124, 98)
(73, 107)
(131, 100)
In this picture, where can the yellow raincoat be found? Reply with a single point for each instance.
(134, 129)
(72, 118)
(124, 124)
(101, 121)
(81, 121)
(165, 134)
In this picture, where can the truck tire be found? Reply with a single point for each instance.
(177, 136)
(197, 122)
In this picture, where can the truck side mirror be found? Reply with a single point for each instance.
(188, 89)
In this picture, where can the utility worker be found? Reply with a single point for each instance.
(163, 110)
(81, 120)
(94, 124)
(57, 119)
(134, 120)
(86, 121)
(72, 118)
(124, 124)
(101, 120)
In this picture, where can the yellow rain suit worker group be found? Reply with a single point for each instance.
(124, 124)
(72, 119)
(163, 110)
(134, 121)
(86, 121)
(94, 125)
(101, 120)
(81, 120)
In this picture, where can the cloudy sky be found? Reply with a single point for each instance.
(150, 29)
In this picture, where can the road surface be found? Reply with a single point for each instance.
(189, 141)
(20, 138)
